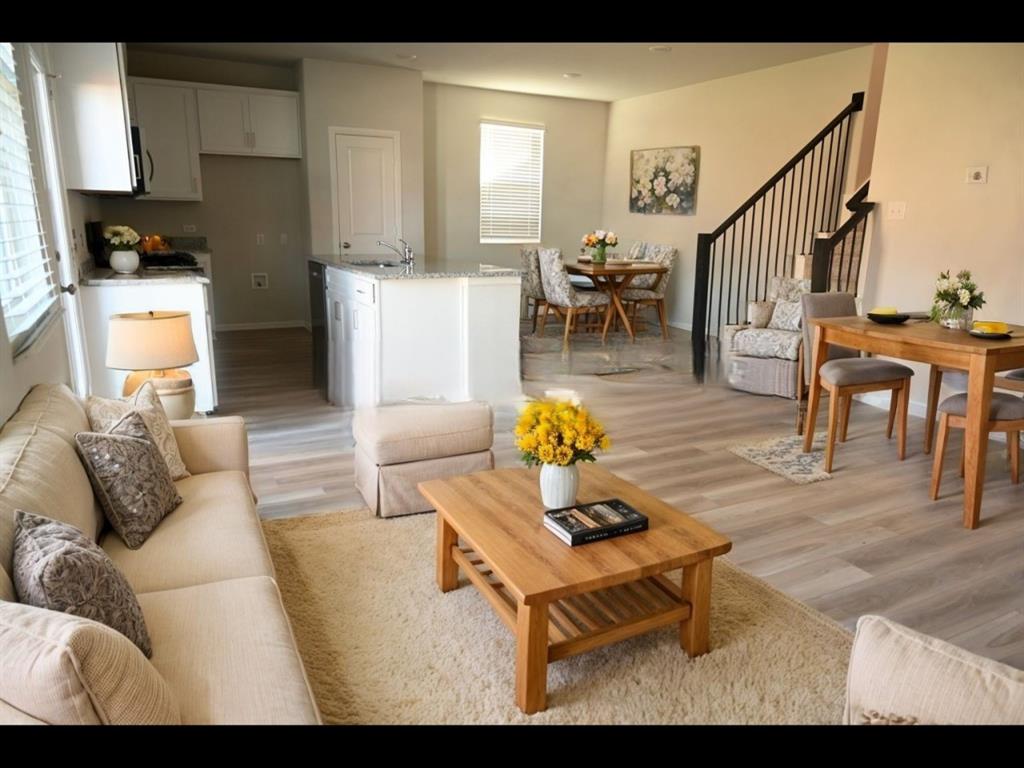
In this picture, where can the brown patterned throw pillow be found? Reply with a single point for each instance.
(59, 568)
(130, 478)
(104, 413)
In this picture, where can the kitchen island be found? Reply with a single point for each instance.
(448, 331)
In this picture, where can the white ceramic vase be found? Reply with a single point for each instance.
(558, 485)
(124, 262)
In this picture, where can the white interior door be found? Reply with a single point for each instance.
(366, 194)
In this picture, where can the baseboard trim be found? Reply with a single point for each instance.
(681, 326)
(881, 400)
(259, 326)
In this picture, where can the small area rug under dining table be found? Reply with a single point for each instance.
(382, 644)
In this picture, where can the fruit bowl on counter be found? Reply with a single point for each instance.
(887, 316)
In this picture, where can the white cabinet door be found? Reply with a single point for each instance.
(224, 121)
(364, 354)
(166, 116)
(92, 116)
(338, 350)
(366, 194)
(274, 124)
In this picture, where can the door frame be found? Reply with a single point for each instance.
(332, 140)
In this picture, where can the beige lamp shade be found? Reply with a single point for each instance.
(150, 341)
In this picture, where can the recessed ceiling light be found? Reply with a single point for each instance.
(659, 48)
(406, 56)
(571, 75)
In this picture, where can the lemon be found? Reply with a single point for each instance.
(883, 311)
(990, 326)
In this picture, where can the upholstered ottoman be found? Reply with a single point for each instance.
(398, 446)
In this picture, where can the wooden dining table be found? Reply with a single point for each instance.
(613, 279)
(926, 342)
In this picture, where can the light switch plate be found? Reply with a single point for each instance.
(188, 227)
(977, 174)
(896, 209)
(259, 238)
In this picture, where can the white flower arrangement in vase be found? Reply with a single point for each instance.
(956, 298)
(124, 258)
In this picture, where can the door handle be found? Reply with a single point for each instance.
(71, 289)
(152, 165)
(346, 245)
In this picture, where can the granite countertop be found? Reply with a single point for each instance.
(108, 277)
(445, 268)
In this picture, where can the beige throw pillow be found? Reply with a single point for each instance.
(129, 477)
(57, 567)
(759, 313)
(104, 413)
(67, 670)
(786, 316)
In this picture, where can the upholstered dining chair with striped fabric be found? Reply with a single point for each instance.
(559, 292)
(533, 288)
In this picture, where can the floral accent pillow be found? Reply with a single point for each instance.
(104, 413)
(785, 316)
(59, 568)
(130, 478)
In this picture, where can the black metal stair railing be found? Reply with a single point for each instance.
(762, 238)
(837, 258)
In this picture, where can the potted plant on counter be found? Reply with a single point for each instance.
(124, 258)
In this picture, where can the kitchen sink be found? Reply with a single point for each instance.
(375, 263)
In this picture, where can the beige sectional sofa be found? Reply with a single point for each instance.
(221, 638)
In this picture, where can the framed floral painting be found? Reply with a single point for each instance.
(664, 180)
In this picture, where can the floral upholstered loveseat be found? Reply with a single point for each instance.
(764, 354)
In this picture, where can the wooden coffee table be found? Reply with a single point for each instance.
(561, 600)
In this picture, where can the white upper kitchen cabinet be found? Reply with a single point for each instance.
(91, 98)
(241, 121)
(169, 125)
(224, 121)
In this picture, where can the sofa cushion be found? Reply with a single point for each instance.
(129, 476)
(104, 413)
(58, 568)
(393, 434)
(896, 672)
(767, 342)
(40, 472)
(214, 534)
(227, 652)
(55, 408)
(65, 669)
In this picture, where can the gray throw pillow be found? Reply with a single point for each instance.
(786, 316)
(129, 476)
(59, 568)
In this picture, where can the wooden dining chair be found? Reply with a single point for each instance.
(956, 379)
(845, 377)
(649, 290)
(1006, 414)
(533, 288)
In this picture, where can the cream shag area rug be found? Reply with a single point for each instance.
(785, 456)
(382, 644)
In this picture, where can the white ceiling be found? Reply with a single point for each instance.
(608, 71)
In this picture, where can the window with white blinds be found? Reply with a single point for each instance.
(28, 293)
(511, 182)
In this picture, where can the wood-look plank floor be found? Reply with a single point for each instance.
(867, 541)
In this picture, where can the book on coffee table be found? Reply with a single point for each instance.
(584, 523)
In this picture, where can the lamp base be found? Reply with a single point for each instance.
(173, 387)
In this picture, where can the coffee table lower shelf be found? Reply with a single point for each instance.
(583, 622)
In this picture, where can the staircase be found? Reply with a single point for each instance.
(795, 216)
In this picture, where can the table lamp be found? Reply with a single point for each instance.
(153, 345)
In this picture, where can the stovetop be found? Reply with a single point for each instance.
(169, 260)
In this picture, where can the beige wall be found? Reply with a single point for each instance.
(574, 146)
(171, 66)
(746, 126)
(242, 196)
(336, 94)
(944, 108)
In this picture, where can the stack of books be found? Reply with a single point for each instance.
(584, 523)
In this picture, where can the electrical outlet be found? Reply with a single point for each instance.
(259, 238)
(977, 174)
(284, 238)
(260, 280)
(188, 227)
(896, 210)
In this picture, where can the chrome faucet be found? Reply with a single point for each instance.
(408, 257)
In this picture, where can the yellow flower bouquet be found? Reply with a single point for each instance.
(558, 432)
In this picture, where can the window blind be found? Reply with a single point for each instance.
(28, 293)
(511, 181)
